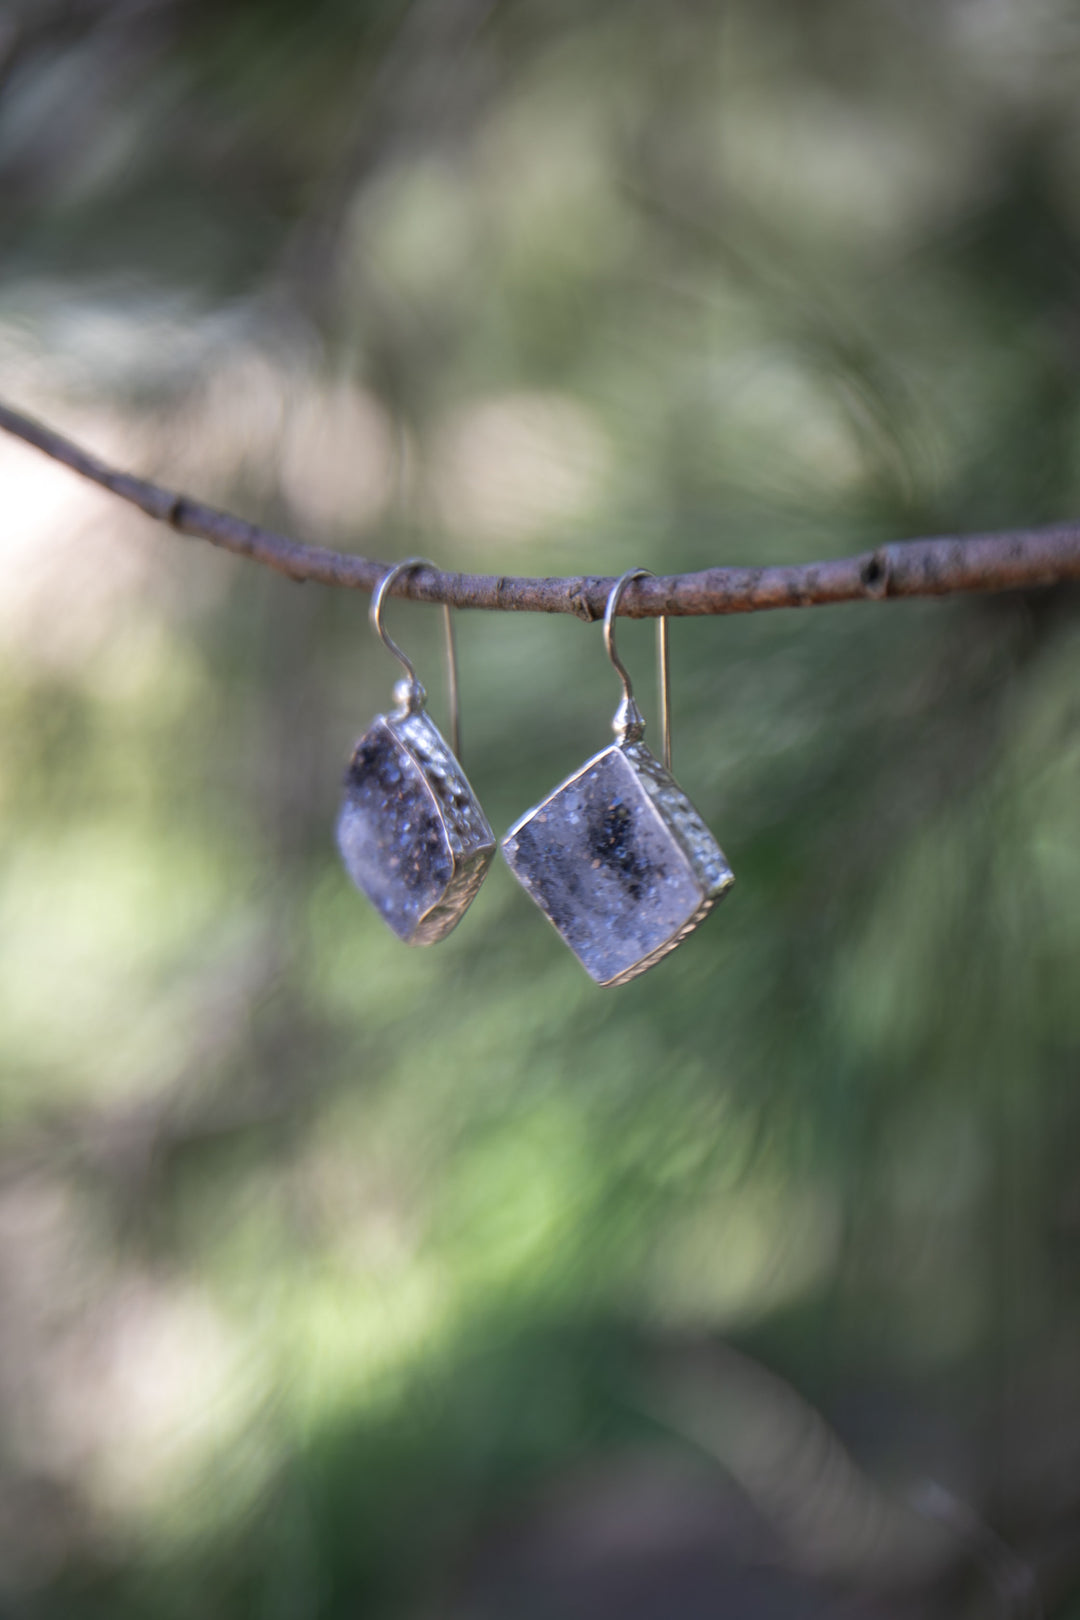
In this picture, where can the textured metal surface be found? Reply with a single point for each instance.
(619, 861)
(411, 832)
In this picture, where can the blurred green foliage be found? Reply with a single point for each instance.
(315, 1252)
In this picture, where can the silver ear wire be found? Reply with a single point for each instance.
(629, 726)
(413, 696)
(452, 698)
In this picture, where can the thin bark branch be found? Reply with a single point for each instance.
(1018, 560)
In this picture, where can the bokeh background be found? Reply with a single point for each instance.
(343, 1280)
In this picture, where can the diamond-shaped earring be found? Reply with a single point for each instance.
(411, 831)
(617, 858)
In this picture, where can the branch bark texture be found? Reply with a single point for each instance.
(1018, 560)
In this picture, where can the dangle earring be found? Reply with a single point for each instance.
(411, 831)
(617, 858)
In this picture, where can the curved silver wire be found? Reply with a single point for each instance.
(375, 611)
(628, 708)
(375, 615)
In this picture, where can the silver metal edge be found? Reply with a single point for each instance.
(715, 894)
(425, 716)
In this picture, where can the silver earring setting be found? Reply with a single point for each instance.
(411, 831)
(617, 858)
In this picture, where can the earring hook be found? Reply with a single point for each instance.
(629, 724)
(414, 695)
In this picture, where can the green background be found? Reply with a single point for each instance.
(323, 1261)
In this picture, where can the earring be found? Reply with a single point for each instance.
(411, 831)
(617, 858)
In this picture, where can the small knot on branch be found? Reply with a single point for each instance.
(578, 598)
(875, 573)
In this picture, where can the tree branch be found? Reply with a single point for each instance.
(1017, 560)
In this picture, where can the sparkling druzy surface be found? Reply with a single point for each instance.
(391, 836)
(619, 861)
(411, 831)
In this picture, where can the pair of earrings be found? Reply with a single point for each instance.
(617, 858)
